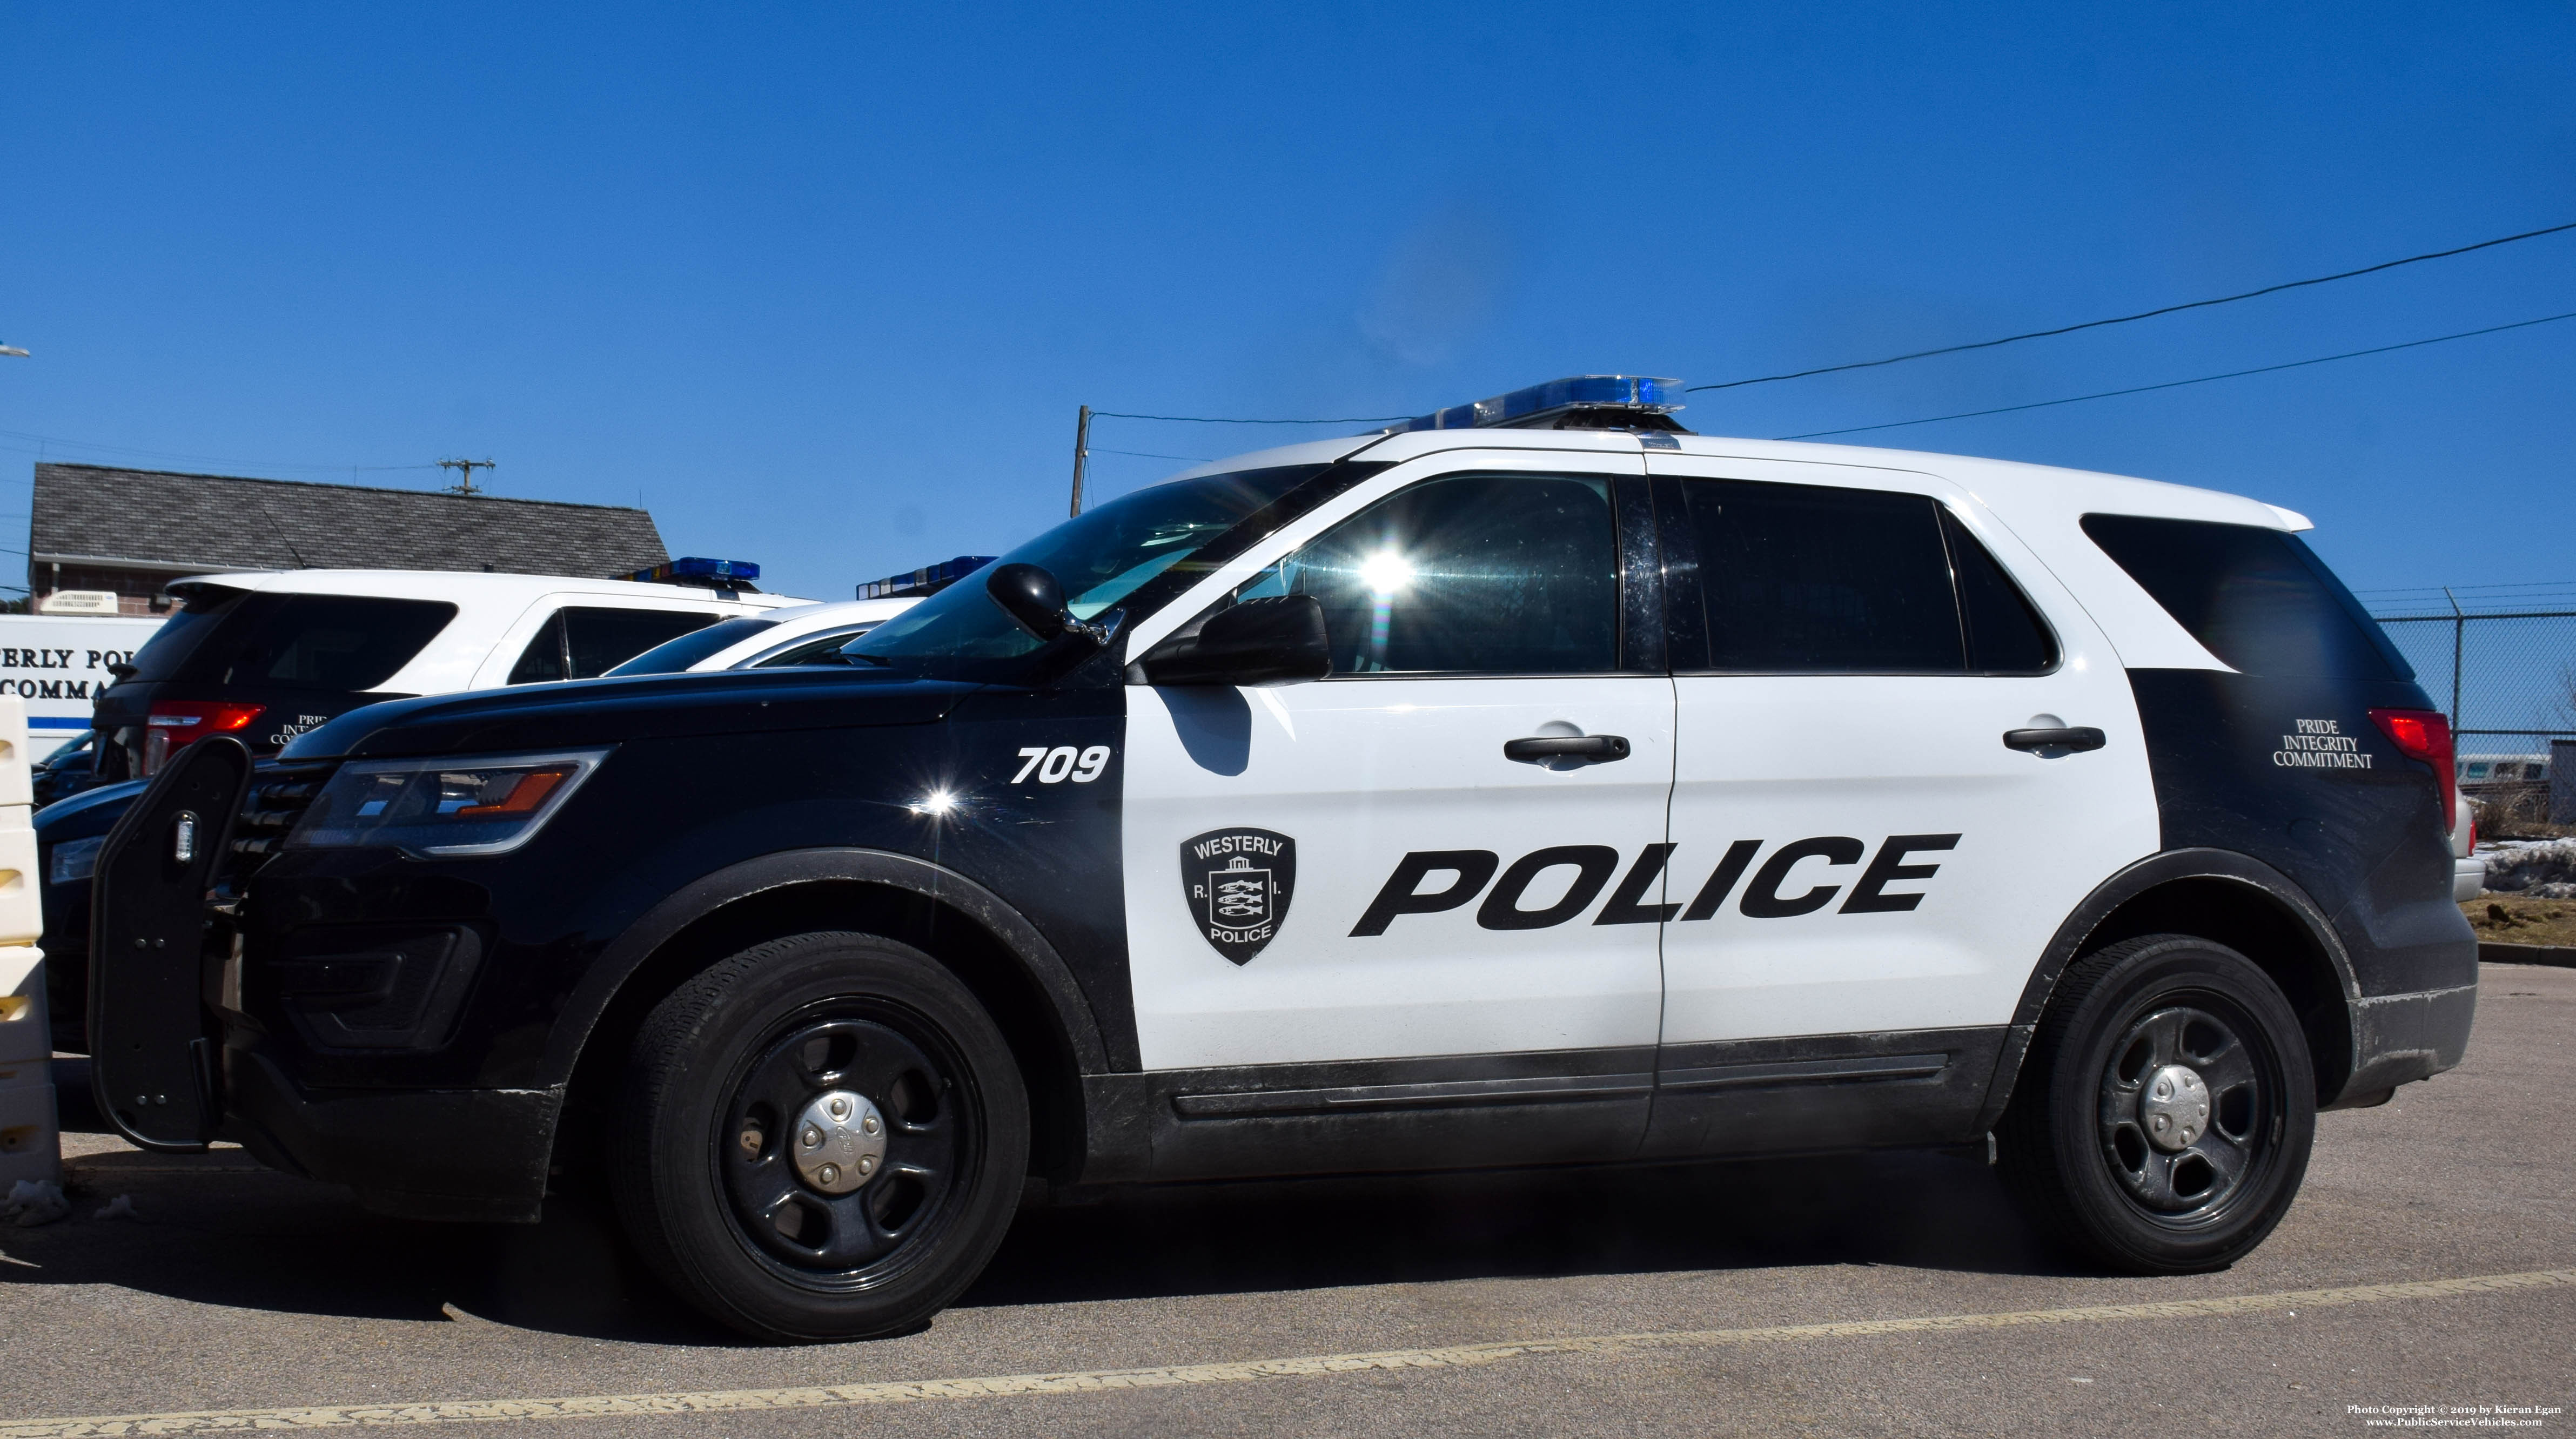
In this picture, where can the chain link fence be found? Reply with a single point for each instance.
(2504, 669)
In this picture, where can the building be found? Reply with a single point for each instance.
(101, 531)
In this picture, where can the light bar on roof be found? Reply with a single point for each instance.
(698, 569)
(1578, 392)
(928, 580)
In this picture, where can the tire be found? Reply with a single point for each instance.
(2089, 1151)
(746, 1194)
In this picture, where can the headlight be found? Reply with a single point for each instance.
(443, 806)
(74, 859)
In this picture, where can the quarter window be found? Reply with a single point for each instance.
(2259, 599)
(1467, 574)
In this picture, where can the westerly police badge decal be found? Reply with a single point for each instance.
(1239, 882)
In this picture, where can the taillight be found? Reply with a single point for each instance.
(173, 725)
(2426, 735)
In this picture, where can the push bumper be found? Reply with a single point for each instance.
(454, 1154)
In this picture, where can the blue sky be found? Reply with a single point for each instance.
(823, 286)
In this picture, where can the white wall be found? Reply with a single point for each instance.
(56, 663)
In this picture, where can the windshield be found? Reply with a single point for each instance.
(672, 656)
(1100, 558)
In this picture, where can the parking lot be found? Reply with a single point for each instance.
(2430, 1261)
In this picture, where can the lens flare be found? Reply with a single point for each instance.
(1385, 573)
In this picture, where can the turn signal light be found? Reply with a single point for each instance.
(2425, 735)
(173, 725)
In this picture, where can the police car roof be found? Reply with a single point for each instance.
(468, 586)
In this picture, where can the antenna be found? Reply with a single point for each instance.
(464, 474)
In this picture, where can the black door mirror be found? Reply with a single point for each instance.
(1034, 601)
(1274, 641)
(1030, 596)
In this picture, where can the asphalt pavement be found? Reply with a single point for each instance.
(2430, 1261)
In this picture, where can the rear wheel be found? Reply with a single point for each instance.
(2164, 1114)
(826, 1135)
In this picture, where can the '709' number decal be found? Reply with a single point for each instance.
(1055, 766)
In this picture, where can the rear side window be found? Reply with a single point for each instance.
(1812, 579)
(316, 642)
(2257, 598)
(583, 643)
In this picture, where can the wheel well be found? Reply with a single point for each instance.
(1018, 1006)
(2263, 929)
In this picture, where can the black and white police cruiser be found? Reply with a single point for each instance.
(1539, 783)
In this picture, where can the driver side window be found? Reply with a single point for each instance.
(1510, 574)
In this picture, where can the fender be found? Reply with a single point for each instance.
(703, 896)
(2128, 884)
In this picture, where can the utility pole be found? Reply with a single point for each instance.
(1081, 453)
(465, 474)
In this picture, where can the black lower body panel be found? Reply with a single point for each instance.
(1745, 1097)
(1372, 1116)
(455, 1154)
(1822, 1092)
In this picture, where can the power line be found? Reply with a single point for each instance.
(2177, 384)
(1207, 420)
(2141, 315)
(1149, 455)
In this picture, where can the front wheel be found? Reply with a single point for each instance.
(2164, 1114)
(822, 1137)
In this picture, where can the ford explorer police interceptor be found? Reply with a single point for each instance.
(1536, 784)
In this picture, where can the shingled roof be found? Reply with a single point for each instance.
(91, 514)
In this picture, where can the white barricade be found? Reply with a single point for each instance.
(30, 1135)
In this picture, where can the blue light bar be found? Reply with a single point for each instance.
(1619, 392)
(928, 580)
(698, 569)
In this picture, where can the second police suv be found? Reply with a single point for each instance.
(1538, 783)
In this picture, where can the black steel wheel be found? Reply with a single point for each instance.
(2164, 1114)
(832, 1136)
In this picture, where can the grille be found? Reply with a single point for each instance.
(279, 795)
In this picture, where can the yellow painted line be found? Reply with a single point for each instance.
(1458, 1356)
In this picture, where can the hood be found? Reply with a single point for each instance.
(610, 711)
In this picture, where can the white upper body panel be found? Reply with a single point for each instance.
(496, 614)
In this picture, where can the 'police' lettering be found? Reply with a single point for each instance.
(1472, 866)
(1593, 864)
(1762, 898)
(1889, 867)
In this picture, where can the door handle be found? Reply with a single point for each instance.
(1589, 748)
(2069, 737)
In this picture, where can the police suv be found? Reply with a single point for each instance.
(1538, 783)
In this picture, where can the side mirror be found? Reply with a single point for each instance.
(1274, 641)
(1031, 597)
(1034, 601)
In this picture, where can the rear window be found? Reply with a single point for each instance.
(315, 642)
(2259, 599)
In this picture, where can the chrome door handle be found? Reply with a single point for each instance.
(1589, 748)
(2066, 737)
